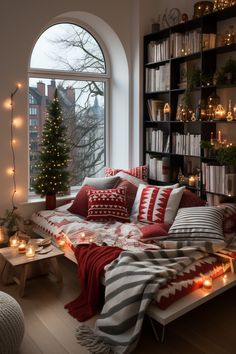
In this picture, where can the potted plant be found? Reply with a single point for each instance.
(227, 156)
(208, 148)
(11, 222)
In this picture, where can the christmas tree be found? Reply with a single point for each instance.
(52, 167)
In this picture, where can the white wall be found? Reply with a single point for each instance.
(20, 24)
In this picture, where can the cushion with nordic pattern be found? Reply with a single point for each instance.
(204, 224)
(157, 204)
(109, 204)
(140, 172)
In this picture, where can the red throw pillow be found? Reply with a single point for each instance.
(109, 204)
(140, 172)
(131, 191)
(80, 203)
(155, 230)
(190, 199)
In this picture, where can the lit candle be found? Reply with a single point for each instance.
(224, 278)
(82, 236)
(30, 251)
(207, 283)
(62, 241)
(14, 241)
(91, 239)
(219, 136)
(191, 181)
(219, 112)
(22, 246)
(166, 111)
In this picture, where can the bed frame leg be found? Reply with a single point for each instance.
(158, 336)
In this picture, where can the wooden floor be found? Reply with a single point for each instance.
(50, 329)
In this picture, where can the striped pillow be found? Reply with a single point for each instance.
(201, 224)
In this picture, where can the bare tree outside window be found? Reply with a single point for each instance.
(61, 50)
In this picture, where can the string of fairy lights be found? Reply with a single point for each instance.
(13, 123)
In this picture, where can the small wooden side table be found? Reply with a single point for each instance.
(18, 267)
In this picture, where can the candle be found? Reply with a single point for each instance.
(219, 112)
(82, 236)
(191, 181)
(166, 111)
(207, 283)
(14, 241)
(22, 246)
(224, 278)
(30, 251)
(62, 241)
(219, 136)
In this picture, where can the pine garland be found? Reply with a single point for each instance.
(52, 167)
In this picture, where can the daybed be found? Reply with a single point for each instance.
(193, 248)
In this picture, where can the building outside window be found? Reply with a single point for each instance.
(68, 57)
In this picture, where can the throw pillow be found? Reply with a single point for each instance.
(229, 224)
(190, 199)
(80, 203)
(140, 172)
(172, 204)
(102, 182)
(131, 191)
(159, 205)
(198, 224)
(154, 230)
(134, 180)
(107, 204)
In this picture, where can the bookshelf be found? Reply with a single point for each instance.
(182, 101)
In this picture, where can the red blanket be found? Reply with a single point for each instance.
(91, 261)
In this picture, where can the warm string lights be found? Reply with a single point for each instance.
(12, 143)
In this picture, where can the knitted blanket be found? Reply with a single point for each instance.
(131, 282)
(91, 260)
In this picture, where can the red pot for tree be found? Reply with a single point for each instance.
(50, 201)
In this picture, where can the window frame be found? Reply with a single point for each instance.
(77, 76)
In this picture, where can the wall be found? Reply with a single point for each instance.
(21, 23)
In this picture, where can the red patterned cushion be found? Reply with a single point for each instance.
(131, 191)
(80, 203)
(154, 230)
(109, 204)
(140, 172)
(153, 204)
(190, 199)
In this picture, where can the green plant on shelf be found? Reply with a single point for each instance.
(208, 148)
(226, 156)
(227, 74)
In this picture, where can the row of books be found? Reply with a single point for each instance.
(157, 140)
(156, 110)
(157, 79)
(185, 43)
(217, 179)
(158, 168)
(158, 51)
(186, 144)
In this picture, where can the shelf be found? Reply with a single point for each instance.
(208, 63)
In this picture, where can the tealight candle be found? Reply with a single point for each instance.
(62, 241)
(22, 246)
(207, 283)
(192, 181)
(30, 250)
(14, 241)
(82, 236)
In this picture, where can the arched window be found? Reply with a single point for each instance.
(67, 57)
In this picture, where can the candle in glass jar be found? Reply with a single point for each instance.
(191, 181)
(30, 251)
(22, 246)
(14, 241)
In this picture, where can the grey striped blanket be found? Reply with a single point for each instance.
(131, 282)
